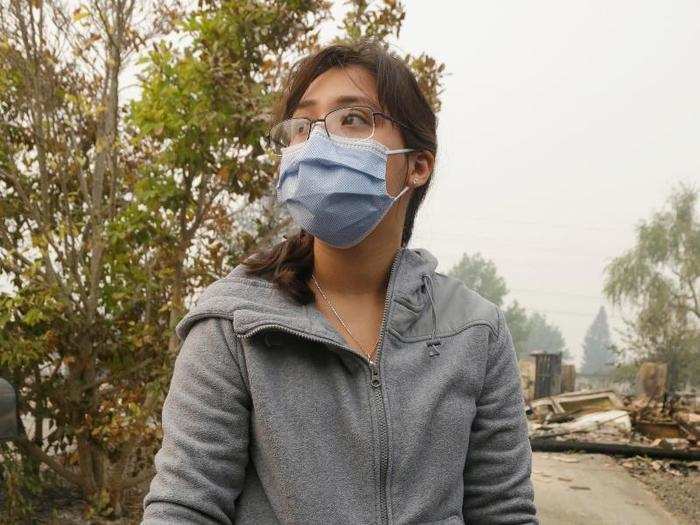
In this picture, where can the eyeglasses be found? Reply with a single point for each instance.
(354, 122)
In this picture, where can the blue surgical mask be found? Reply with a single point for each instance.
(336, 189)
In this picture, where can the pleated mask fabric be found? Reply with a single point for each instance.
(335, 189)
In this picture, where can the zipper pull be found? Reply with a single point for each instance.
(375, 376)
(432, 345)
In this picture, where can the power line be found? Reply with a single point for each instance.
(557, 292)
(548, 250)
(594, 227)
(576, 314)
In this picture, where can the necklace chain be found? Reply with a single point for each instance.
(340, 318)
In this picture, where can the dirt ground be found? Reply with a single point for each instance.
(675, 483)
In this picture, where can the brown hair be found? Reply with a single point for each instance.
(289, 263)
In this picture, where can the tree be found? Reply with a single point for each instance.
(598, 357)
(529, 332)
(72, 339)
(481, 275)
(658, 278)
(114, 215)
(517, 319)
(544, 336)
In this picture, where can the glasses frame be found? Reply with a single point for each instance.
(311, 122)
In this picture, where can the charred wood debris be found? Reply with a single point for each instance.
(651, 429)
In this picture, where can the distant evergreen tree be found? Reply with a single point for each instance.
(598, 357)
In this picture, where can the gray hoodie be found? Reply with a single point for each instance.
(272, 418)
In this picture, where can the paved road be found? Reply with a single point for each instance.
(589, 489)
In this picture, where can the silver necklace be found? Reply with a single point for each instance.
(340, 318)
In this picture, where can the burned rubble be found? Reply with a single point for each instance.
(653, 427)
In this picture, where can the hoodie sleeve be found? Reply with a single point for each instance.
(201, 465)
(497, 484)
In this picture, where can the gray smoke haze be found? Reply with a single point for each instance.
(563, 124)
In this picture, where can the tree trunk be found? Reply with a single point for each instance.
(38, 438)
(176, 308)
(87, 473)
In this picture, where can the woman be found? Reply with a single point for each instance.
(338, 378)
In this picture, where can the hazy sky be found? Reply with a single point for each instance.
(563, 125)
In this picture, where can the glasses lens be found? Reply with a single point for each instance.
(352, 123)
(289, 132)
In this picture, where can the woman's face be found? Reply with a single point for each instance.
(354, 85)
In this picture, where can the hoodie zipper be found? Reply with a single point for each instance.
(375, 382)
(379, 401)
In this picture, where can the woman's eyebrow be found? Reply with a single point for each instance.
(354, 99)
(340, 101)
(308, 102)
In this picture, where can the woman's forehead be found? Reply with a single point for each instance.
(341, 86)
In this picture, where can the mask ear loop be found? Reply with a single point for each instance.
(406, 187)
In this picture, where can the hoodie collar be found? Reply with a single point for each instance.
(254, 303)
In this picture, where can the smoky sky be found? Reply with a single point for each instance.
(563, 125)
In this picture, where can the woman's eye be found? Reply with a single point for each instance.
(299, 130)
(354, 119)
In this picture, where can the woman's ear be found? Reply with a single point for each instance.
(422, 165)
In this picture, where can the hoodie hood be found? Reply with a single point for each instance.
(252, 302)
